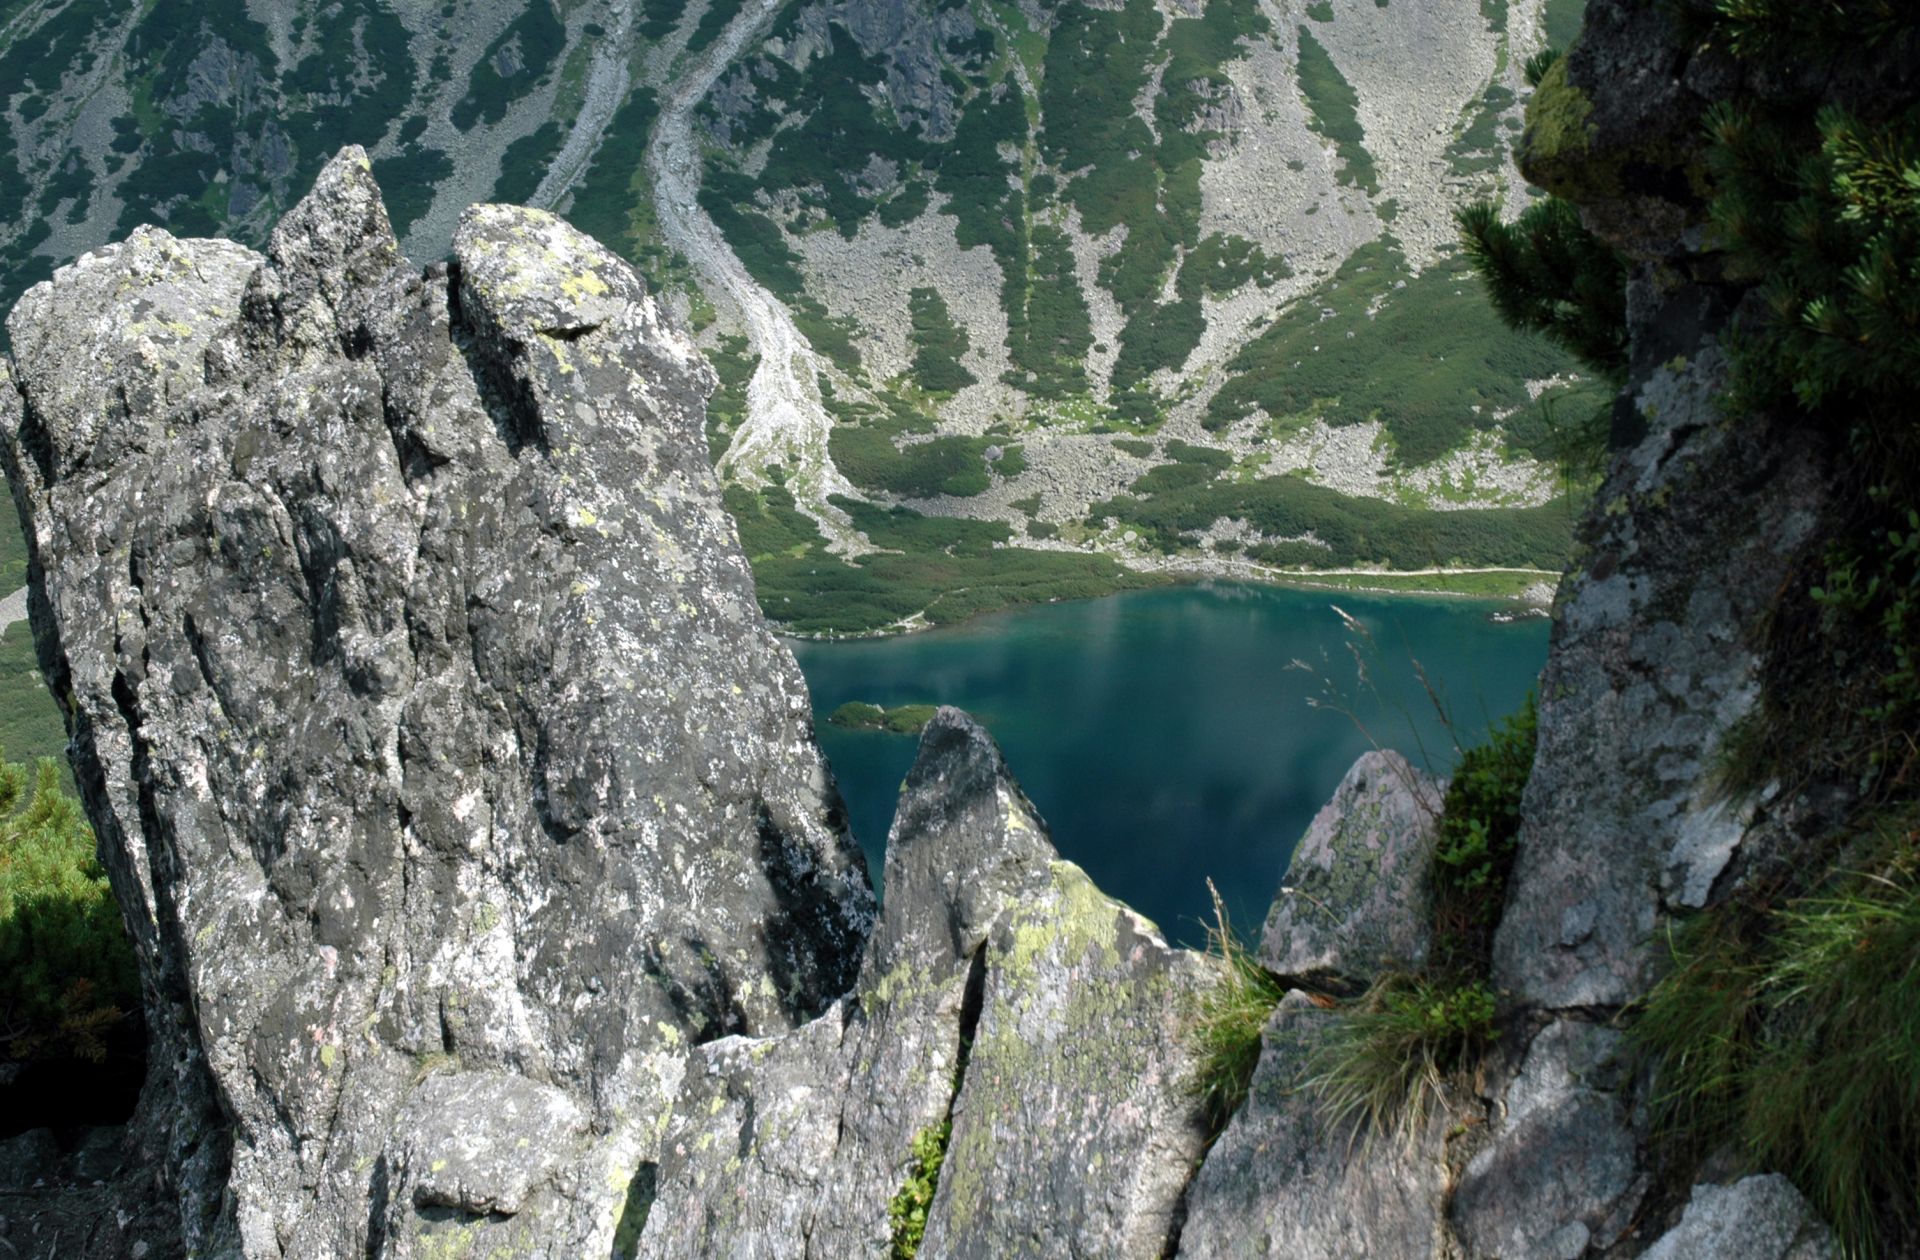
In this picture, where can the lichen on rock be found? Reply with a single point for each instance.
(422, 705)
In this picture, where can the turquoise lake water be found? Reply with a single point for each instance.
(1167, 736)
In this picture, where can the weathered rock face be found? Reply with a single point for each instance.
(1653, 660)
(448, 774)
(1760, 1217)
(1287, 1180)
(1002, 993)
(1357, 898)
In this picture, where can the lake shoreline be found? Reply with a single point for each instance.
(1179, 733)
(1531, 602)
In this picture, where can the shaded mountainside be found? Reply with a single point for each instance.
(1082, 281)
(490, 894)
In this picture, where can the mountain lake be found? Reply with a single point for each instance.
(1172, 735)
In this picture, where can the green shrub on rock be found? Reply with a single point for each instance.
(908, 1211)
(1384, 1066)
(1479, 835)
(1789, 1030)
(1547, 274)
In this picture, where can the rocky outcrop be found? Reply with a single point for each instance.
(1286, 1179)
(492, 896)
(1759, 1217)
(1004, 996)
(447, 772)
(1357, 896)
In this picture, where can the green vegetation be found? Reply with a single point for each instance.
(1227, 1020)
(1347, 530)
(1056, 331)
(888, 449)
(1479, 832)
(1384, 1064)
(734, 365)
(1845, 318)
(907, 1213)
(905, 719)
(68, 986)
(839, 130)
(13, 552)
(517, 59)
(938, 344)
(604, 201)
(1547, 274)
(1162, 334)
(1423, 355)
(1335, 108)
(1790, 1026)
(407, 180)
(943, 568)
(1479, 148)
(1535, 71)
(1386, 1060)
(30, 722)
(1819, 209)
(993, 212)
(719, 13)
(525, 162)
(1098, 62)
(659, 17)
(762, 248)
(823, 124)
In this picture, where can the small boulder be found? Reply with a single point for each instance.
(1755, 1218)
(1356, 897)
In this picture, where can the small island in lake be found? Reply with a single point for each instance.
(906, 719)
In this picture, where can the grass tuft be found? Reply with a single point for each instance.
(1792, 1030)
(1228, 1020)
(1384, 1065)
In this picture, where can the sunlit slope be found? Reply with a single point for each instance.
(1069, 280)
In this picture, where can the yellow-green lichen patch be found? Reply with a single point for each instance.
(1080, 1019)
(1064, 927)
(584, 284)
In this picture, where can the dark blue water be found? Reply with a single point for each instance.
(1169, 735)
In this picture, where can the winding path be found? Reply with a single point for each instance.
(786, 421)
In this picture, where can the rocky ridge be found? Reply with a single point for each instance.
(450, 787)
